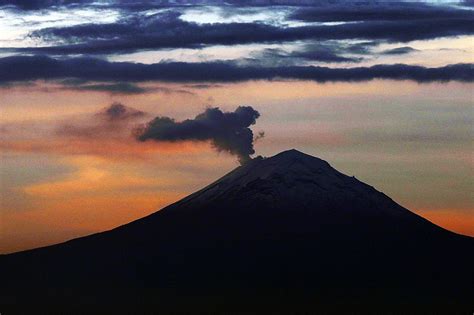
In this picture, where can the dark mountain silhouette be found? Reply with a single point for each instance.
(282, 234)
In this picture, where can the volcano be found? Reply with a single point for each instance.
(279, 234)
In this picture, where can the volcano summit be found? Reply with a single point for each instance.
(284, 233)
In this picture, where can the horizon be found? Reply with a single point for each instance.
(106, 118)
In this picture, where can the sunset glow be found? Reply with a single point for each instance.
(67, 170)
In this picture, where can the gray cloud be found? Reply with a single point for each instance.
(350, 11)
(118, 111)
(112, 88)
(329, 51)
(227, 131)
(139, 30)
(30, 68)
(115, 120)
(399, 51)
(118, 88)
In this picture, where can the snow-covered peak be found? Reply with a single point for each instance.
(294, 178)
(289, 157)
(291, 163)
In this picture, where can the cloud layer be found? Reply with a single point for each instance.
(136, 32)
(227, 131)
(253, 40)
(29, 68)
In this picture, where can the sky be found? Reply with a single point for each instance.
(111, 110)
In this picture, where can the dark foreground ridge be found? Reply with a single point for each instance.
(287, 233)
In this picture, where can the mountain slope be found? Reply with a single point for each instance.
(290, 222)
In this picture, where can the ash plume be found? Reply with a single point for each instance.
(227, 131)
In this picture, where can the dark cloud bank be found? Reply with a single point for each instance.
(36, 4)
(149, 4)
(28, 5)
(139, 32)
(227, 131)
(350, 11)
(28, 68)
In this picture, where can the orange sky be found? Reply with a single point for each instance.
(411, 141)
